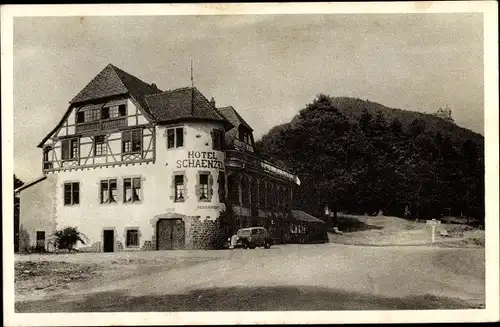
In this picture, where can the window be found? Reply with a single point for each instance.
(245, 137)
(69, 149)
(179, 188)
(132, 190)
(245, 192)
(203, 190)
(100, 145)
(80, 117)
(233, 189)
(217, 139)
(132, 237)
(114, 112)
(71, 193)
(91, 115)
(175, 137)
(87, 116)
(262, 194)
(47, 160)
(109, 191)
(222, 186)
(132, 141)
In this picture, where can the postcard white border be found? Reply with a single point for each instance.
(491, 313)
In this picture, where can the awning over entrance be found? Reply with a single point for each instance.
(305, 217)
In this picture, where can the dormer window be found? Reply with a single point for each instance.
(245, 137)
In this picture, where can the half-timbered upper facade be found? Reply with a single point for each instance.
(135, 167)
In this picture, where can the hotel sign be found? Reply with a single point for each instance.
(201, 159)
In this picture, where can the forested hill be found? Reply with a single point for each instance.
(361, 157)
(353, 108)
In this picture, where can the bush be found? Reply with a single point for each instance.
(67, 238)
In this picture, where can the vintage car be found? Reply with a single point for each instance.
(250, 238)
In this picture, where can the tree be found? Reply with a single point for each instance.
(365, 164)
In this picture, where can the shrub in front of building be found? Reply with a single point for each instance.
(66, 239)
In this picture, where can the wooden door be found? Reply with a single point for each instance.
(40, 240)
(170, 234)
(108, 240)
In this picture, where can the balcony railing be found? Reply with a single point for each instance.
(242, 145)
(101, 124)
(248, 159)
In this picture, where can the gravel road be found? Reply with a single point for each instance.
(285, 277)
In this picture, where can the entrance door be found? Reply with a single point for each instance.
(40, 240)
(170, 234)
(108, 240)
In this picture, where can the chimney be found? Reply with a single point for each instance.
(154, 85)
(212, 102)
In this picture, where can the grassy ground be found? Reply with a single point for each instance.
(382, 230)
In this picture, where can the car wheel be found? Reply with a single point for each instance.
(267, 245)
(252, 246)
(245, 245)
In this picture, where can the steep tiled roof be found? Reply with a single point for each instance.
(234, 117)
(114, 81)
(183, 103)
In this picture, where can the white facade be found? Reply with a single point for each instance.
(156, 194)
(136, 168)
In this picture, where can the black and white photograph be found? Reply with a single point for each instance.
(250, 163)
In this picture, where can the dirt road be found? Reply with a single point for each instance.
(285, 277)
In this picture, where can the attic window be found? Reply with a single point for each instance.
(245, 137)
(114, 112)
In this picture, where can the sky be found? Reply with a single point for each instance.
(267, 67)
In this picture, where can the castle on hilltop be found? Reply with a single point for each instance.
(444, 114)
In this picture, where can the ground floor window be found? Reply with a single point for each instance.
(203, 186)
(179, 188)
(132, 237)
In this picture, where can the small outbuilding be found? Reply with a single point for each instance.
(305, 228)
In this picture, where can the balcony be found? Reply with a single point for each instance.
(240, 145)
(101, 124)
(243, 160)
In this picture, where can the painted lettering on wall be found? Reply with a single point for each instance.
(200, 159)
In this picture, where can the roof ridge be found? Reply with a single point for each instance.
(108, 67)
(169, 91)
(214, 108)
(119, 70)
